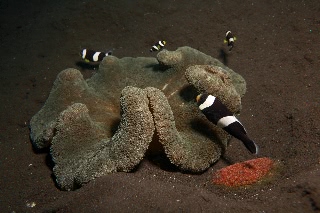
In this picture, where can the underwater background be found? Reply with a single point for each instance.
(276, 52)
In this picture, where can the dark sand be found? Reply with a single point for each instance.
(277, 51)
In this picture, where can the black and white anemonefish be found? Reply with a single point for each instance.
(230, 39)
(220, 115)
(93, 56)
(158, 46)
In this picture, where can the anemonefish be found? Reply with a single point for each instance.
(230, 39)
(220, 115)
(158, 46)
(93, 56)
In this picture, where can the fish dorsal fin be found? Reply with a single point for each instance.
(242, 128)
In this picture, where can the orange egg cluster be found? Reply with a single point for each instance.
(243, 173)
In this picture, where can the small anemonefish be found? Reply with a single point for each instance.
(158, 46)
(230, 39)
(93, 56)
(220, 115)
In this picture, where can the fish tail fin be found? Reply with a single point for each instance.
(251, 146)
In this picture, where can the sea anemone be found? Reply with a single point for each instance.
(243, 173)
(106, 123)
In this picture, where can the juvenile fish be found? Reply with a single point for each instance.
(158, 46)
(93, 56)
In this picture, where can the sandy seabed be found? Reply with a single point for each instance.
(276, 51)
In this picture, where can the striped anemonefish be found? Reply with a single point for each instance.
(158, 46)
(93, 56)
(219, 114)
(230, 39)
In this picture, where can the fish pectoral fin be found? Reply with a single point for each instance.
(234, 38)
(225, 41)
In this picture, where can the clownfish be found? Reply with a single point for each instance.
(220, 115)
(230, 39)
(93, 56)
(158, 46)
